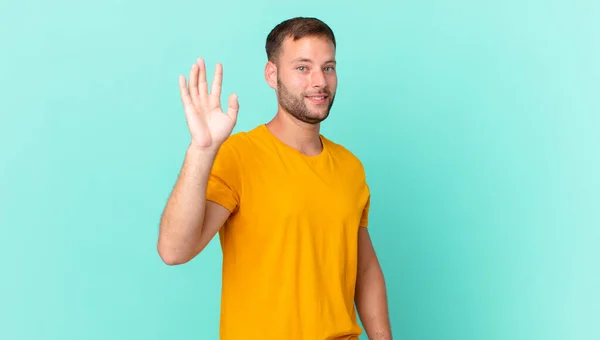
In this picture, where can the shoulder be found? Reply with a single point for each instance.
(236, 140)
(239, 142)
(343, 154)
(349, 166)
(243, 138)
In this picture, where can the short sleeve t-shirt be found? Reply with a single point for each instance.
(290, 243)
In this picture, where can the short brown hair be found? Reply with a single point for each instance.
(296, 28)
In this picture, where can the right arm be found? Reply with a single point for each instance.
(189, 221)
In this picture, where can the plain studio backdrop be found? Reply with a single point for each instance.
(477, 123)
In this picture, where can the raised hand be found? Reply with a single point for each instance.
(209, 126)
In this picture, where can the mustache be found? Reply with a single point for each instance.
(318, 93)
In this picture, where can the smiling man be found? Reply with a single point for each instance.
(290, 206)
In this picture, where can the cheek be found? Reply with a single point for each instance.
(297, 82)
(291, 81)
(332, 81)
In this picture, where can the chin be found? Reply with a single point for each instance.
(315, 119)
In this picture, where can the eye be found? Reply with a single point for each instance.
(329, 68)
(301, 68)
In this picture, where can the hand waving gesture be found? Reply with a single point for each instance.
(209, 125)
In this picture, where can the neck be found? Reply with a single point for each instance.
(298, 135)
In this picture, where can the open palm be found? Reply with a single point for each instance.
(209, 126)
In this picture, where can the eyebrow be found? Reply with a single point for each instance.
(302, 59)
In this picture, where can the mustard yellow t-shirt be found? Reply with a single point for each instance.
(290, 244)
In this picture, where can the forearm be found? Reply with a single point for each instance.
(371, 302)
(183, 216)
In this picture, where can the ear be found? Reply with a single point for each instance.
(271, 74)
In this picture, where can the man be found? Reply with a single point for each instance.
(290, 206)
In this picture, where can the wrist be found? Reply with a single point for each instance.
(197, 152)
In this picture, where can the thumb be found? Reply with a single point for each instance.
(233, 107)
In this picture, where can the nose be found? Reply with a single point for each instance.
(317, 78)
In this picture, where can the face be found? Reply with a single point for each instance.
(305, 78)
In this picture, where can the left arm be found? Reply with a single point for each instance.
(371, 296)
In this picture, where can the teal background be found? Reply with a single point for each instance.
(477, 123)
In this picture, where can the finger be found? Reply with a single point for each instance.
(233, 107)
(215, 92)
(184, 92)
(202, 85)
(193, 87)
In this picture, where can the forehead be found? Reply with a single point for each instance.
(316, 48)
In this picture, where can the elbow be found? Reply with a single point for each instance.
(170, 257)
(171, 260)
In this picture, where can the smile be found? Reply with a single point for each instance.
(317, 99)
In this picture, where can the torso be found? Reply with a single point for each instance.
(290, 249)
